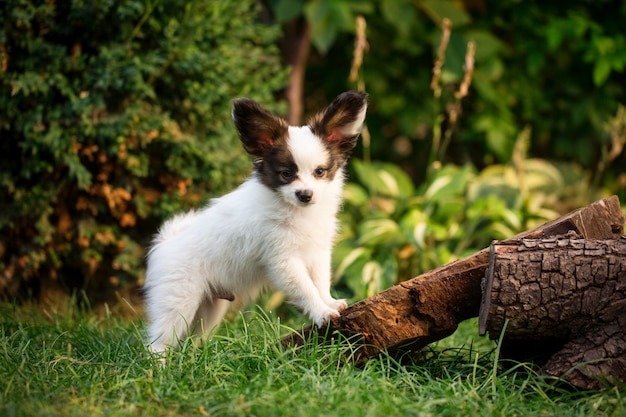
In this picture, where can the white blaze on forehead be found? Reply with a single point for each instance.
(307, 150)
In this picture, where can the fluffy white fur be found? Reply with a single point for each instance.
(246, 240)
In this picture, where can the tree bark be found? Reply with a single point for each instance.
(560, 300)
(295, 46)
(429, 307)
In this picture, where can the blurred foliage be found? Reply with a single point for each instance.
(392, 231)
(114, 115)
(559, 69)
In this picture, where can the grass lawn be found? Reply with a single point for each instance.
(74, 364)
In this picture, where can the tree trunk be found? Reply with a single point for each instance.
(295, 46)
(562, 300)
(429, 307)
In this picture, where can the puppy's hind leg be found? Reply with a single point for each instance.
(209, 315)
(172, 319)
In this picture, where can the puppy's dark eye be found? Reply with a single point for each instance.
(319, 172)
(286, 174)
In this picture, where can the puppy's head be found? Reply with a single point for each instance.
(300, 162)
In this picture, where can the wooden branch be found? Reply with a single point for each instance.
(295, 46)
(429, 307)
(563, 300)
(593, 360)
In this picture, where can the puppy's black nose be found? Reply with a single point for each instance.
(304, 196)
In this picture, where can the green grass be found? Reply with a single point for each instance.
(74, 364)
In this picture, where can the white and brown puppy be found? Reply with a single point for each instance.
(276, 228)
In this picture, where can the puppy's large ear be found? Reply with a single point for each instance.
(341, 122)
(259, 130)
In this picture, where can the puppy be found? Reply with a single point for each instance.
(277, 228)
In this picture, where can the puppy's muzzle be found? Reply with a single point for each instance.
(304, 196)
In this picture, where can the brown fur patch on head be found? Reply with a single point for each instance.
(272, 167)
(259, 130)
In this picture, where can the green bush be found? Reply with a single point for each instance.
(392, 231)
(113, 115)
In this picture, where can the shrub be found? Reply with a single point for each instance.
(392, 231)
(113, 115)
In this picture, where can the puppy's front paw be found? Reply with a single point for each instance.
(321, 319)
(338, 305)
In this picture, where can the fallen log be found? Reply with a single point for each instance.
(427, 308)
(561, 302)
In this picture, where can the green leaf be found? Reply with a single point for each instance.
(601, 71)
(384, 178)
(347, 258)
(327, 18)
(497, 180)
(373, 232)
(400, 13)
(555, 32)
(500, 134)
(78, 171)
(389, 272)
(488, 46)
(378, 274)
(285, 10)
(494, 209)
(448, 181)
(355, 194)
(542, 176)
(372, 277)
(414, 225)
(330, 17)
(447, 9)
(452, 70)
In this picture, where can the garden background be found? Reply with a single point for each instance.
(486, 118)
(114, 115)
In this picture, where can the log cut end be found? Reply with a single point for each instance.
(603, 219)
(561, 302)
